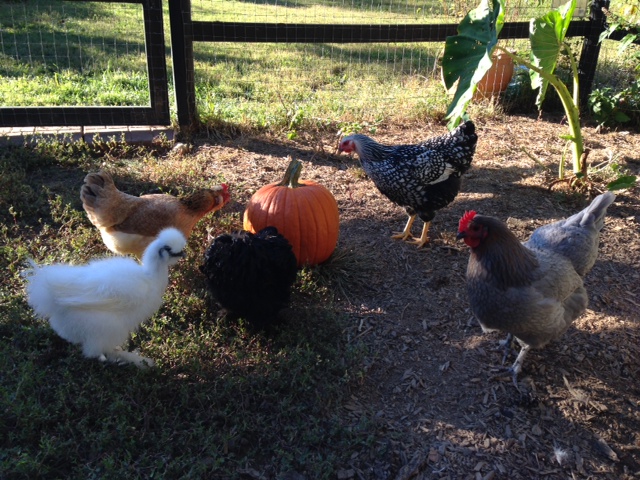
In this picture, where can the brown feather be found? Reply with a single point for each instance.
(500, 257)
(114, 212)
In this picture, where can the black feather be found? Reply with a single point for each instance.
(424, 177)
(251, 275)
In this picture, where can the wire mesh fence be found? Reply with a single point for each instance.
(283, 84)
(72, 53)
(615, 94)
(81, 63)
(404, 12)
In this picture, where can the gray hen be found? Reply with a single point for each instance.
(532, 290)
(422, 178)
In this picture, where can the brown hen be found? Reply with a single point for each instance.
(128, 224)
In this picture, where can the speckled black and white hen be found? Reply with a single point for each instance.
(422, 178)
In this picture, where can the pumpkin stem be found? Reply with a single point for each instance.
(292, 175)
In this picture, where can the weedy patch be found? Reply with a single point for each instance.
(223, 397)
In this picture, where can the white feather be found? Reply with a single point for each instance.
(99, 304)
(561, 456)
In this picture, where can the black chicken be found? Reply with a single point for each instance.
(421, 178)
(251, 275)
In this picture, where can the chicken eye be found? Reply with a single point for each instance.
(169, 251)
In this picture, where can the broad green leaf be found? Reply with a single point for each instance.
(626, 181)
(627, 40)
(621, 117)
(547, 34)
(467, 56)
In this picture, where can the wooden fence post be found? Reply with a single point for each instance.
(591, 49)
(182, 60)
(156, 62)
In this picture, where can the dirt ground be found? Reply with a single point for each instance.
(433, 382)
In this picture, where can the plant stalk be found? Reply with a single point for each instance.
(569, 104)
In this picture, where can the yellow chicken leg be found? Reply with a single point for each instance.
(424, 238)
(406, 233)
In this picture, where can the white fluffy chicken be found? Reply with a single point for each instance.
(533, 290)
(99, 304)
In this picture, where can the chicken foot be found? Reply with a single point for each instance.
(506, 347)
(119, 356)
(516, 368)
(424, 237)
(406, 233)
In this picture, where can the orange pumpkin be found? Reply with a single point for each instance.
(304, 211)
(497, 79)
(494, 82)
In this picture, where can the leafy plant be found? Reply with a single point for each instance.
(628, 20)
(605, 106)
(467, 57)
(612, 172)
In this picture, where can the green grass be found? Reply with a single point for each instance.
(328, 12)
(274, 90)
(73, 54)
(352, 12)
(78, 53)
(222, 398)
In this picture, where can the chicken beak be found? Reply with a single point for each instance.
(461, 235)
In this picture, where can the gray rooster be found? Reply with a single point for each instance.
(422, 178)
(533, 290)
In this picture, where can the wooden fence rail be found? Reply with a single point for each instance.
(184, 32)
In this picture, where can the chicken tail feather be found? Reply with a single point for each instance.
(595, 213)
(96, 185)
(102, 200)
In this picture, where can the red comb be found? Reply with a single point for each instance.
(466, 220)
(226, 196)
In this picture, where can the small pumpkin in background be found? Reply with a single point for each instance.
(497, 79)
(304, 211)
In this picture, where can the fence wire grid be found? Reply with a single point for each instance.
(63, 53)
(72, 53)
